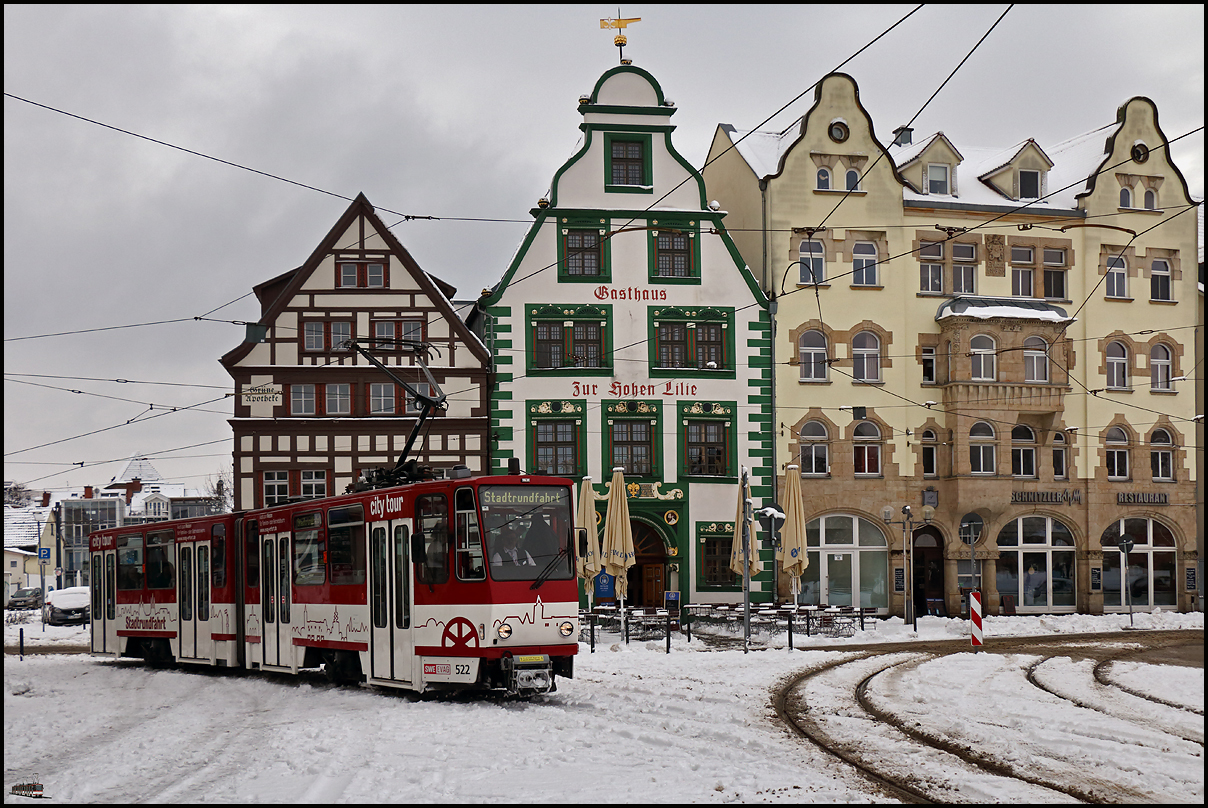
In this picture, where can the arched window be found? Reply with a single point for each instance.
(982, 348)
(1151, 200)
(1060, 469)
(864, 262)
(867, 449)
(848, 563)
(853, 180)
(1159, 280)
(1150, 565)
(1126, 197)
(814, 449)
(1023, 451)
(1117, 365)
(1035, 360)
(1117, 454)
(1036, 564)
(813, 262)
(930, 453)
(1159, 367)
(1161, 455)
(824, 183)
(866, 357)
(981, 448)
(812, 346)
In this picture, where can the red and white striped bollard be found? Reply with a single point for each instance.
(975, 615)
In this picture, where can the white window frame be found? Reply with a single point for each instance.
(301, 399)
(1159, 276)
(931, 279)
(312, 335)
(381, 398)
(864, 268)
(1023, 452)
(1039, 183)
(1161, 456)
(814, 447)
(964, 279)
(927, 353)
(1035, 361)
(339, 399)
(314, 484)
(981, 449)
(411, 406)
(1117, 277)
(930, 453)
(276, 487)
(812, 263)
(808, 356)
(1061, 470)
(866, 361)
(932, 182)
(1117, 454)
(1160, 367)
(1117, 366)
(983, 365)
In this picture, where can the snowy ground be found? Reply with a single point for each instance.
(634, 725)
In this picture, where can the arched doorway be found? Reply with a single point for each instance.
(928, 571)
(647, 575)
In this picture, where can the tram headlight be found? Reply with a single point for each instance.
(566, 628)
(504, 631)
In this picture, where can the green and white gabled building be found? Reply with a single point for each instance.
(628, 331)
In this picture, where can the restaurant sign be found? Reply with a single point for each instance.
(1064, 497)
(1141, 498)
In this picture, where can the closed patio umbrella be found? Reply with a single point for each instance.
(618, 536)
(588, 563)
(753, 565)
(793, 558)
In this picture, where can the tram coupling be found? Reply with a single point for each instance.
(528, 674)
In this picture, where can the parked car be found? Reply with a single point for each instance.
(68, 605)
(28, 598)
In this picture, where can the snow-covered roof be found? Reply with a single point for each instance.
(984, 308)
(23, 526)
(138, 467)
(763, 150)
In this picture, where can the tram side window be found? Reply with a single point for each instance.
(110, 582)
(203, 591)
(266, 591)
(432, 519)
(310, 551)
(346, 528)
(186, 579)
(160, 572)
(251, 552)
(130, 561)
(469, 541)
(218, 556)
(378, 589)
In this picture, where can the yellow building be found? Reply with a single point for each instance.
(994, 337)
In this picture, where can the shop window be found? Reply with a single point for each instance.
(848, 563)
(815, 449)
(1146, 576)
(1036, 564)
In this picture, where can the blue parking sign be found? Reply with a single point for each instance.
(44, 553)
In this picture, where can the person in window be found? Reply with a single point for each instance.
(541, 541)
(159, 570)
(506, 551)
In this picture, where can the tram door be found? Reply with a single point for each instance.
(193, 596)
(391, 649)
(104, 602)
(275, 599)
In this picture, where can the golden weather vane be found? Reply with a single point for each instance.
(619, 23)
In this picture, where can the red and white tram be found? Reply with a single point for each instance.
(456, 583)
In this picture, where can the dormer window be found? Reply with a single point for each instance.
(937, 179)
(1029, 184)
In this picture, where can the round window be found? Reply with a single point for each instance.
(838, 131)
(1140, 152)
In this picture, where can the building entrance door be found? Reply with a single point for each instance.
(647, 575)
(928, 572)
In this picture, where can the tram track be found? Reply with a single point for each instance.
(1100, 672)
(844, 718)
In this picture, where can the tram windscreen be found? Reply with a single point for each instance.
(527, 529)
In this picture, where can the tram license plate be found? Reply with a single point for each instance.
(456, 669)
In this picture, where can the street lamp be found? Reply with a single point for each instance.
(907, 522)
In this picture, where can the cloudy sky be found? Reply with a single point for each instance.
(448, 111)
